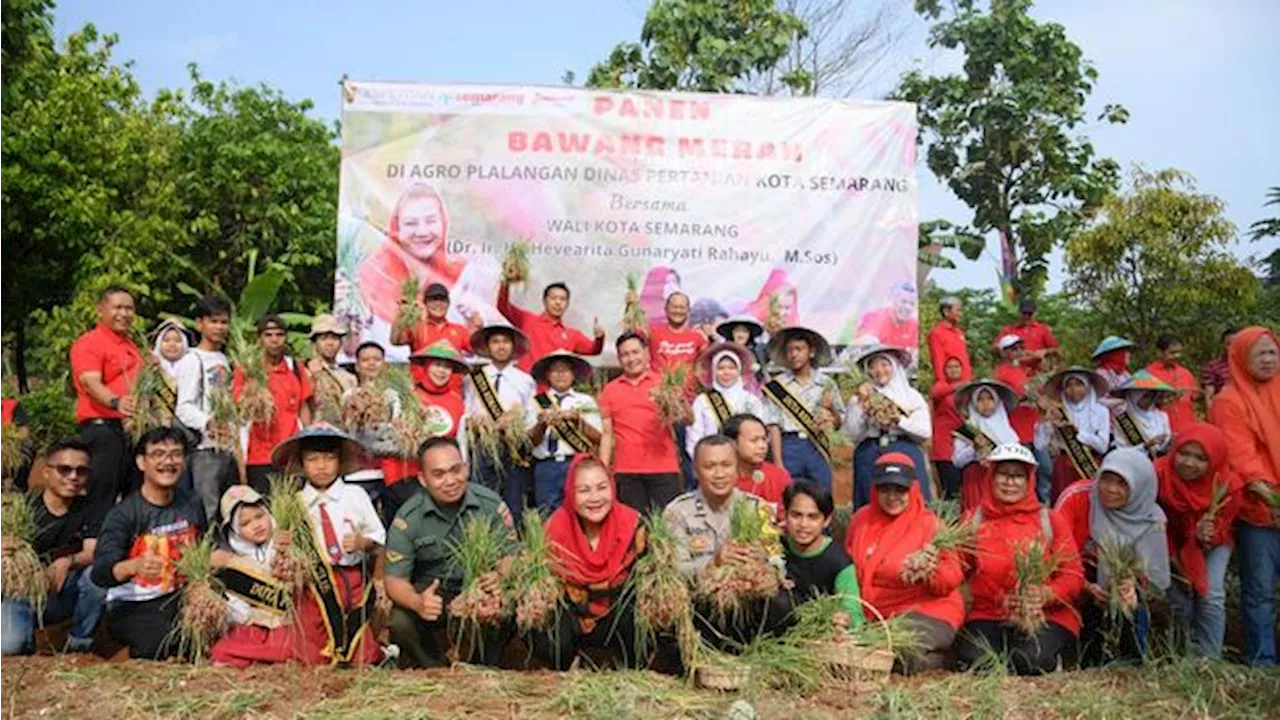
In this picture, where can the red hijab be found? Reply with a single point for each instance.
(1260, 400)
(1028, 507)
(1186, 502)
(1117, 361)
(606, 565)
(875, 535)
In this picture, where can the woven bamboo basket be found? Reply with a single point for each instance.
(724, 679)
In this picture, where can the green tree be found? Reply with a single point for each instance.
(258, 177)
(87, 199)
(707, 46)
(1000, 134)
(1157, 260)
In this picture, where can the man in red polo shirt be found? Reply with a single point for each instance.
(634, 441)
(435, 326)
(946, 339)
(547, 331)
(1037, 338)
(104, 362)
(675, 342)
(289, 383)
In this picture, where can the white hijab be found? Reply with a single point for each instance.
(1153, 421)
(898, 389)
(997, 426)
(735, 393)
(259, 554)
(1088, 414)
(170, 366)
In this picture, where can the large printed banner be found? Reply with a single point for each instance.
(807, 206)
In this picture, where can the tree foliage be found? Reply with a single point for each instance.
(714, 46)
(104, 186)
(1000, 134)
(1158, 261)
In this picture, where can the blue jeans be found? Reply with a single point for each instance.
(803, 460)
(80, 600)
(864, 465)
(1259, 571)
(548, 484)
(1044, 473)
(1206, 617)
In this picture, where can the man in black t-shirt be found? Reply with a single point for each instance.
(141, 541)
(65, 537)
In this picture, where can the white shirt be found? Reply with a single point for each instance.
(195, 374)
(350, 511)
(705, 423)
(515, 389)
(573, 400)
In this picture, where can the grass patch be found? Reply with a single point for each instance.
(624, 695)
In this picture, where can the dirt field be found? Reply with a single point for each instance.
(86, 687)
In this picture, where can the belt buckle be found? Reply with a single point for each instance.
(802, 436)
(560, 457)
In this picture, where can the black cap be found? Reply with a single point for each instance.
(894, 469)
(1027, 306)
(436, 291)
(270, 322)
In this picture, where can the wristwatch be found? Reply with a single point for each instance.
(115, 403)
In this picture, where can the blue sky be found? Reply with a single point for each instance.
(1198, 77)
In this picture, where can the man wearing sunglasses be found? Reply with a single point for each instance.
(66, 534)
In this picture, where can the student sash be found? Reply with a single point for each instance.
(263, 593)
(569, 432)
(975, 437)
(1131, 431)
(345, 629)
(719, 406)
(1080, 456)
(492, 405)
(796, 410)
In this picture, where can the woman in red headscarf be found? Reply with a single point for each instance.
(1009, 517)
(417, 235)
(595, 540)
(1248, 412)
(894, 527)
(1201, 497)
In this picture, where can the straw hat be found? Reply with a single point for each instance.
(480, 339)
(443, 351)
(725, 329)
(1057, 380)
(900, 354)
(288, 453)
(327, 323)
(706, 373)
(1110, 343)
(966, 391)
(777, 347)
(581, 368)
(1143, 381)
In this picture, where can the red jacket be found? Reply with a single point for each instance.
(946, 420)
(878, 544)
(1073, 504)
(945, 341)
(991, 568)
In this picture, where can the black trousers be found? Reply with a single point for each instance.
(110, 461)
(936, 639)
(949, 476)
(146, 627)
(1026, 654)
(259, 477)
(644, 492)
(559, 644)
(212, 472)
(423, 644)
(395, 495)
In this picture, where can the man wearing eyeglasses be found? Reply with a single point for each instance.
(65, 537)
(140, 544)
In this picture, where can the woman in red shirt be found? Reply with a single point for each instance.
(946, 420)
(883, 534)
(1190, 476)
(1008, 518)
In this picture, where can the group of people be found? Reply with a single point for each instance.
(1078, 462)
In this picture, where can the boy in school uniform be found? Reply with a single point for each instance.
(499, 393)
(334, 615)
(802, 404)
(562, 423)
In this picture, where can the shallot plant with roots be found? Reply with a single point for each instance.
(1034, 563)
(149, 408)
(633, 317)
(729, 588)
(291, 564)
(515, 265)
(532, 586)
(22, 574)
(202, 615)
(953, 535)
(410, 313)
(660, 593)
(479, 552)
